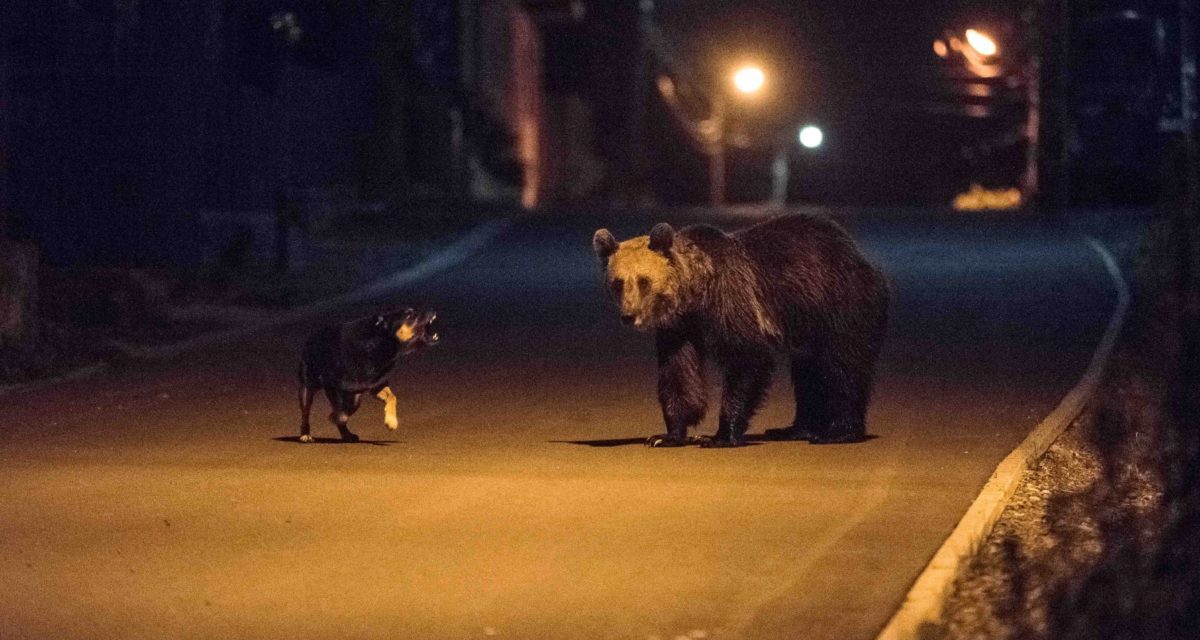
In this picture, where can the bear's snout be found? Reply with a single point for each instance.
(627, 319)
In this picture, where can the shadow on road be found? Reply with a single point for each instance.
(614, 442)
(376, 443)
(753, 439)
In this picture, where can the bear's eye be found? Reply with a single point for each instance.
(618, 287)
(643, 284)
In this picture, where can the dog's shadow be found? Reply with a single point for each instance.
(752, 439)
(374, 443)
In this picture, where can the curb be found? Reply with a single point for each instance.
(926, 599)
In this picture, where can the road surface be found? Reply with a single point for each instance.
(169, 499)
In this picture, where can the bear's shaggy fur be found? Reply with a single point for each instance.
(795, 284)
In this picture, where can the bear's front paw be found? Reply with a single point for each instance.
(306, 438)
(349, 437)
(668, 440)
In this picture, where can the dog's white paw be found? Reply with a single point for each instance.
(392, 424)
(306, 438)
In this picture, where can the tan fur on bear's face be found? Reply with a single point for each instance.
(643, 283)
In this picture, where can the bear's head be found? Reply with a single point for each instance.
(642, 276)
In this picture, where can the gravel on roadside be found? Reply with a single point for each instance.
(1099, 540)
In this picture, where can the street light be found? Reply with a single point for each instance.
(979, 53)
(749, 79)
(982, 43)
(811, 136)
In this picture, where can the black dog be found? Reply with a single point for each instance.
(349, 359)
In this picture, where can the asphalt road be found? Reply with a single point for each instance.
(165, 499)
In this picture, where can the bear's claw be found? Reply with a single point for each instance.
(669, 440)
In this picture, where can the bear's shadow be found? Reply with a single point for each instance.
(752, 440)
(374, 443)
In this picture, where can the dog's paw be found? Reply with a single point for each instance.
(306, 438)
(391, 423)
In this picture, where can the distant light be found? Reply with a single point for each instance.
(981, 199)
(749, 79)
(811, 136)
(940, 48)
(981, 43)
(287, 25)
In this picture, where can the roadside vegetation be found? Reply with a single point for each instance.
(1101, 538)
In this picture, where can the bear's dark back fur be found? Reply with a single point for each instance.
(806, 274)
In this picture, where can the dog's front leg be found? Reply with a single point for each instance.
(389, 407)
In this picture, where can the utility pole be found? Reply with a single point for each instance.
(716, 155)
(636, 135)
(5, 138)
(1185, 220)
(1047, 94)
(1031, 70)
(1186, 217)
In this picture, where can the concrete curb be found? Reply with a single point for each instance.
(926, 599)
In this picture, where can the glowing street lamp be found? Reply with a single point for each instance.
(811, 136)
(749, 79)
(982, 43)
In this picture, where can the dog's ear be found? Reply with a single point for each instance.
(604, 244)
(662, 236)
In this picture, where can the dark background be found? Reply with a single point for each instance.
(125, 119)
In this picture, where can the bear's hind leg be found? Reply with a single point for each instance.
(746, 381)
(848, 389)
(812, 406)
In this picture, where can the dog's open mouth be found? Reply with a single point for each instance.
(429, 328)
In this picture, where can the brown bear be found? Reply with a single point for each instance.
(796, 284)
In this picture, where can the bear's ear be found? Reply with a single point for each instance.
(662, 236)
(604, 244)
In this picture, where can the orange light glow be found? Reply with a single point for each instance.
(749, 79)
(981, 43)
(981, 199)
